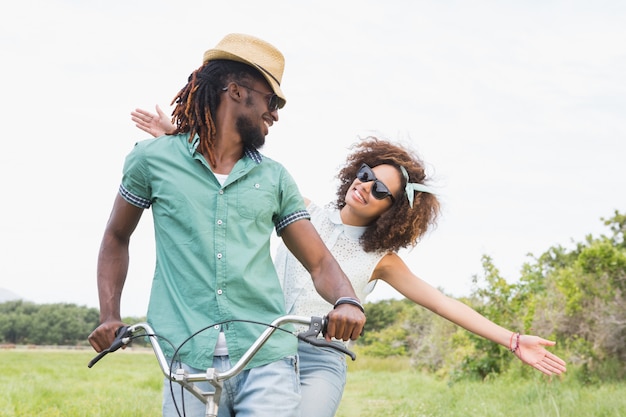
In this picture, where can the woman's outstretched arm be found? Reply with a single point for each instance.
(528, 348)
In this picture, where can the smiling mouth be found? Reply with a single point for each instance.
(358, 195)
(267, 126)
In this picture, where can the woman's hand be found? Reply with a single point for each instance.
(531, 351)
(155, 124)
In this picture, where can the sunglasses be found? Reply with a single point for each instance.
(379, 189)
(272, 99)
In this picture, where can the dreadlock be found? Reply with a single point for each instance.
(197, 102)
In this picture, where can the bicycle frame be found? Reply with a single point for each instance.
(188, 381)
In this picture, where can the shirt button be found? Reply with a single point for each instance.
(219, 256)
(221, 191)
(219, 292)
(216, 327)
(219, 222)
(257, 185)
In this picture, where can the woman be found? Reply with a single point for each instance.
(381, 206)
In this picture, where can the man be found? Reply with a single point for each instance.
(215, 202)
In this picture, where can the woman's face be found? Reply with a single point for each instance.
(367, 197)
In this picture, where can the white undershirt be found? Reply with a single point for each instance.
(221, 178)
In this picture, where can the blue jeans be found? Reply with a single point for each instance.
(323, 373)
(266, 391)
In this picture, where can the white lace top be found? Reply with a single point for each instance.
(301, 298)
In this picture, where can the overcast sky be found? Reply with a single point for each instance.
(518, 108)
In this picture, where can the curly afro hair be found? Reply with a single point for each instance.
(401, 226)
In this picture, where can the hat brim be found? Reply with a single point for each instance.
(213, 54)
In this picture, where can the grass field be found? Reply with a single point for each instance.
(378, 387)
(58, 383)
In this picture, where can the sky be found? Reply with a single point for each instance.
(517, 108)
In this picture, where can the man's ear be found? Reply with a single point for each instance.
(234, 91)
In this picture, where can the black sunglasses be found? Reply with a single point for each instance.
(272, 99)
(379, 189)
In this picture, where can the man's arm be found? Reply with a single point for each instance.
(346, 321)
(112, 270)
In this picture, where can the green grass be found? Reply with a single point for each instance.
(58, 383)
(389, 387)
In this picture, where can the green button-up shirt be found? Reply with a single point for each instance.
(213, 263)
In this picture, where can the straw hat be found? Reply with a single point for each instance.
(255, 52)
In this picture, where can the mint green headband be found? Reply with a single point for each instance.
(411, 187)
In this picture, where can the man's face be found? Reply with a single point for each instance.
(258, 112)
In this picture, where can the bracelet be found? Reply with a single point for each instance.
(516, 347)
(349, 300)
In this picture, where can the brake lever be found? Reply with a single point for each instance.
(121, 339)
(317, 326)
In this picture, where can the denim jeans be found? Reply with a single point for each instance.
(271, 390)
(323, 373)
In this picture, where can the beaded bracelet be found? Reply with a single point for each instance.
(511, 348)
(349, 300)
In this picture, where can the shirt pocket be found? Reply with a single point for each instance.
(256, 201)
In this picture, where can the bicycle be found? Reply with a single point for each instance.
(211, 399)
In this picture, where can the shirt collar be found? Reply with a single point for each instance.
(352, 232)
(192, 145)
(251, 153)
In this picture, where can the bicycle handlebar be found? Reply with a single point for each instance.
(122, 338)
(317, 325)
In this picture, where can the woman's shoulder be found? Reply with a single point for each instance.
(315, 210)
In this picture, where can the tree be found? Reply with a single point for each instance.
(46, 324)
(574, 296)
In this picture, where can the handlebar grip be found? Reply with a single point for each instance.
(120, 334)
(326, 326)
(317, 326)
